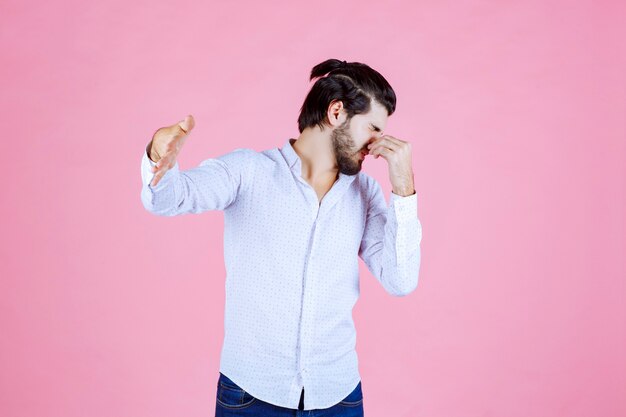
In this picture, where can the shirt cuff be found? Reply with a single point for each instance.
(405, 207)
(409, 228)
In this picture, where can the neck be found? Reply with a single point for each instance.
(315, 150)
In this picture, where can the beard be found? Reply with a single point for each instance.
(347, 157)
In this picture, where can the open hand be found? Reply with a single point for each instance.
(165, 145)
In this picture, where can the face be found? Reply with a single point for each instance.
(350, 139)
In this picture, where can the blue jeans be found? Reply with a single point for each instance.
(232, 400)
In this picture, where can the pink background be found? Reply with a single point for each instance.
(516, 112)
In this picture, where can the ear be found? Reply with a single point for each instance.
(336, 114)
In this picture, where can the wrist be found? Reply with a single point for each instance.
(154, 157)
(403, 191)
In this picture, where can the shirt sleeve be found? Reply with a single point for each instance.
(212, 185)
(390, 246)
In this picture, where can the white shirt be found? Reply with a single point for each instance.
(292, 272)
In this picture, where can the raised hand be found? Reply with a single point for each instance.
(165, 145)
(397, 153)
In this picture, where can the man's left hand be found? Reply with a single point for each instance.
(397, 153)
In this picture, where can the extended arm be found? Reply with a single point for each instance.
(212, 185)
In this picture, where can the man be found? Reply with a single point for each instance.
(297, 218)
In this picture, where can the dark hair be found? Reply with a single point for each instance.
(354, 83)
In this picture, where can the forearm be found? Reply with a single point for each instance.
(212, 185)
(391, 242)
(401, 250)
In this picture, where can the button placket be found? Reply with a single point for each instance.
(307, 301)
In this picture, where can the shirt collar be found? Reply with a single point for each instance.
(290, 154)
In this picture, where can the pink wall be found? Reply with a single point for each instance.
(516, 112)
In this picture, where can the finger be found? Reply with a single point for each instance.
(374, 149)
(171, 151)
(162, 166)
(377, 151)
(385, 153)
(187, 124)
(154, 168)
(154, 181)
(157, 177)
(383, 142)
(161, 171)
(393, 140)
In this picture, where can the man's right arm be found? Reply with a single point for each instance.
(213, 185)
